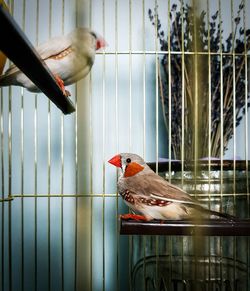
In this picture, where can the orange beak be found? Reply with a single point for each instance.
(116, 161)
(100, 43)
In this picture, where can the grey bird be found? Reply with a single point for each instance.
(153, 197)
(70, 58)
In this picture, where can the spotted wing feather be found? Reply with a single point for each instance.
(135, 198)
(154, 186)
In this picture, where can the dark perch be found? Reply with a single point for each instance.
(211, 227)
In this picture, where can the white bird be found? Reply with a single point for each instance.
(70, 58)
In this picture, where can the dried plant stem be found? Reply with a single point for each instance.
(229, 102)
(162, 96)
(188, 87)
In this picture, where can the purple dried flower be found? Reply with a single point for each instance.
(221, 85)
(237, 20)
(174, 6)
(214, 17)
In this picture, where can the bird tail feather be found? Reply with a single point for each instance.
(6, 80)
(223, 215)
(215, 213)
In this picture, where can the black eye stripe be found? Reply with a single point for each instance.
(94, 35)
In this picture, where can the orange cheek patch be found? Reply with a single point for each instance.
(132, 169)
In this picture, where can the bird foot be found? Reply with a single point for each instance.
(61, 85)
(133, 216)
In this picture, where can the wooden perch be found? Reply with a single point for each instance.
(208, 227)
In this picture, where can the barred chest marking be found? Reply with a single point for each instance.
(127, 196)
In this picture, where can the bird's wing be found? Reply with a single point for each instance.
(47, 49)
(9, 77)
(53, 47)
(156, 187)
(11, 70)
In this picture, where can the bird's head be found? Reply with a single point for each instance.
(99, 41)
(130, 164)
(89, 38)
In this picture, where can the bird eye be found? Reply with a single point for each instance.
(94, 35)
(128, 160)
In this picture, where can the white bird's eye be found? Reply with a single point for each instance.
(128, 160)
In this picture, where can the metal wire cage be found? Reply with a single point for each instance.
(59, 211)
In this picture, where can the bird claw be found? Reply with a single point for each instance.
(66, 93)
(62, 87)
(133, 216)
